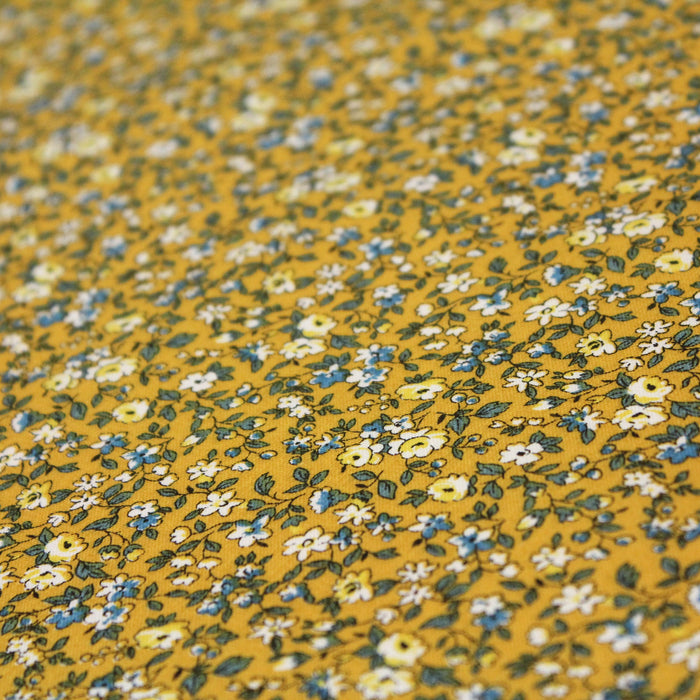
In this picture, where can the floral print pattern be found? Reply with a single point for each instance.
(349, 350)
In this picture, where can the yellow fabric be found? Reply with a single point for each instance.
(349, 350)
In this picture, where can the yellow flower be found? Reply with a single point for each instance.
(354, 587)
(47, 272)
(316, 325)
(41, 577)
(676, 261)
(360, 209)
(450, 488)
(419, 392)
(124, 324)
(585, 237)
(649, 389)
(36, 496)
(488, 659)
(528, 136)
(560, 45)
(131, 412)
(423, 234)
(193, 439)
(344, 147)
(64, 547)
(639, 224)
(301, 347)
(527, 522)
(109, 552)
(638, 417)
(112, 369)
(360, 455)
(106, 173)
(133, 552)
(385, 682)
(260, 102)
(291, 194)
(400, 649)
(636, 184)
(60, 382)
(597, 344)
(418, 443)
(163, 637)
(24, 237)
(281, 282)
(339, 182)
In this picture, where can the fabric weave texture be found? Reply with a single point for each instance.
(349, 349)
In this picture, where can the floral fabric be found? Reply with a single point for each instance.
(349, 350)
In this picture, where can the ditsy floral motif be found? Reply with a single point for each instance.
(349, 350)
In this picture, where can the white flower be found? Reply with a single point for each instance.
(521, 454)
(579, 598)
(220, 503)
(198, 382)
(694, 597)
(544, 313)
(303, 545)
(412, 573)
(686, 651)
(622, 637)
(538, 636)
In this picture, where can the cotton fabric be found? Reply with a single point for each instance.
(349, 350)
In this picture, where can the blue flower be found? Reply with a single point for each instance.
(65, 616)
(291, 592)
(343, 236)
(328, 443)
(143, 522)
(461, 58)
(680, 450)
(693, 304)
(50, 316)
(271, 139)
(551, 176)
(373, 429)
(377, 247)
(327, 377)
(119, 588)
(392, 300)
(582, 306)
(22, 420)
(211, 606)
(661, 293)
(500, 618)
(540, 349)
(434, 524)
(617, 293)
(377, 353)
(344, 538)
(143, 454)
(320, 685)
(297, 445)
(321, 500)
(470, 541)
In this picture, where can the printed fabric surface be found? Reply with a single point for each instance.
(349, 349)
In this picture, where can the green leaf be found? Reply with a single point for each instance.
(627, 576)
(180, 340)
(194, 682)
(387, 489)
(263, 484)
(232, 665)
(616, 264)
(78, 410)
(492, 409)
